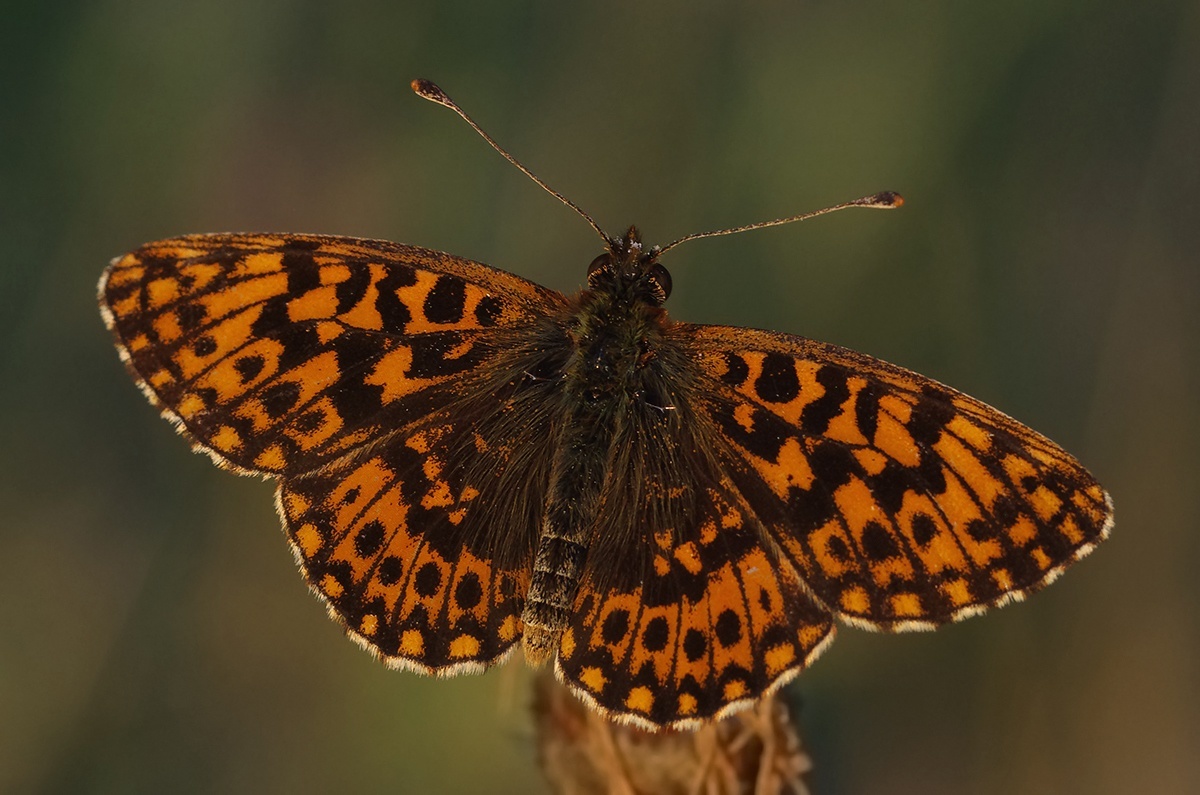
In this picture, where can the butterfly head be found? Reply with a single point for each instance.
(628, 267)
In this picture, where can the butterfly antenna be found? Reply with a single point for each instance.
(888, 200)
(430, 91)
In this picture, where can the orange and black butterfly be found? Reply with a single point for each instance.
(675, 514)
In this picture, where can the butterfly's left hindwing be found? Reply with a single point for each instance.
(902, 503)
(423, 556)
(277, 354)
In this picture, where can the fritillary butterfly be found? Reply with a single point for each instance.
(674, 514)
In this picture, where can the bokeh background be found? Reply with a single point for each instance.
(154, 635)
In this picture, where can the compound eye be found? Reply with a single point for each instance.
(660, 283)
(600, 266)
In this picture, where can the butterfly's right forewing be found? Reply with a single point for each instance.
(903, 503)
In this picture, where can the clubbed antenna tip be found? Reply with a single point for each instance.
(430, 91)
(886, 200)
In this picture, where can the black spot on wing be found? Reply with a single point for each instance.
(205, 346)
(838, 550)
(302, 271)
(278, 399)
(815, 418)
(866, 409)
(308, 422)
(615, 627)
(446, 302)
(369, 539)
(923, 529)
(654, 637)
(1023, 569)
(488, 311)
(274, 316)
(354, 398)
(778, 382)
(248, 367)
(736, 370)
(429, 355)
(929, 416)
(468, 593)
(890, 485)
(299, 340)
(391, 569)
(191, 316)
(352, 290)
(832, 464)
(301, 245)
(428, 580)
(729, 628)
(764, 439)
(877, 542)
(1005, 509)
(981, 530)
(394, 313)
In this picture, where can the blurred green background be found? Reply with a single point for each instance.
(154, 635)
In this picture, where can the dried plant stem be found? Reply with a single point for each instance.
(756, 751)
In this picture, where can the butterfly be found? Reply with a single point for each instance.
(673, 515)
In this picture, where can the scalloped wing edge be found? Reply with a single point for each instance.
(1009, 597)
(396, 662)
(780, 681)
(110, 322)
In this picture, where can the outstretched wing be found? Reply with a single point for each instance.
(277, 354)
(902, 503)
(396, 394)
(422, 545)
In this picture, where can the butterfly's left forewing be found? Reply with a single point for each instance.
(279, 353)
(903, 503)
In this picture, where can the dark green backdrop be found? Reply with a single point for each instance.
(154, 635)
